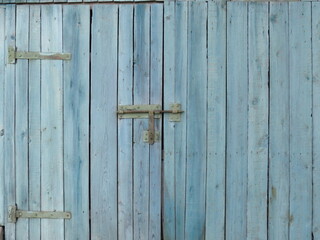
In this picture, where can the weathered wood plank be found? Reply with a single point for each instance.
(175, 90)
(316, 118)
(258, 113)
(52, 196)
(2, 116)
(169, 197)
(104, 122)
(34, 122)
(279, 130)
(141, 96)
(76, 40)
(216, 121)
(9, 133)
(21, 125)
(237, 117)
(180, 129)
(125, 154)
(156, 63)
(196, 119)
(300, 121)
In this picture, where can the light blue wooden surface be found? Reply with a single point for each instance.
(169, 180)
(258, 113)
(175, 90)
(300, 121)
(196, 116)
(9, 123)
(21, 125)
(103, 134)
(237, 121)
(215, 167)
(179, 129)
(316, 118)
(216, 121)
(141, 159)
(76, 40)
(34, 122)
(52, 195)
(2, 105)
(125, 131)
(156, 86)
(279, 126)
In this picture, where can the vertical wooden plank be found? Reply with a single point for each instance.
(141, 96)
(125, 156)
(2, 107)
(51, 122)
(156, 46)
(9, 113)
(300, 121)
(175, 90)
(258, 113)
(196, 120)
(169, 198)
(316, 118)
(216, 121)
(180, 129)
(237, 120)
(279, 129)
(76, 40)
(104, 122)
(34, 123)
(21, 125)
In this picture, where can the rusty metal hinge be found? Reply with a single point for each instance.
(14, 214)
(13, 55)
(151, 112)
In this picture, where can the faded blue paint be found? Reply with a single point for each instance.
(247, 142)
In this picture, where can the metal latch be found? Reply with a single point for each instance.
(151, 112)
(14, 214)
(13, 55)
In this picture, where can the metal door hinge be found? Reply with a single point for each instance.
(14, 214)
(151, 112)
(13, 55)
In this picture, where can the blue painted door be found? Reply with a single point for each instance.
(243, 162)
(46, 123)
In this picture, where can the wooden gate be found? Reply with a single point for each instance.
(242, 163)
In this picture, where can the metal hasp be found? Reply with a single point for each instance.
(13, 55)
(151, 112)
(14, 214)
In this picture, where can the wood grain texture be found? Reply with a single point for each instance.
(104, 122)
(279, 130)
(2, 116)
(216, 121)
(300, 121)
(180, 129)
(196, 119)
(125, 133)
(258, 114)
(21, 125)
(76, 40)
(9, 112)
(175, 90)
(237, 120)
(316, 118)
(141, 164)
(156, 88)
(34, 122)
(169, 200)
(52, 187)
